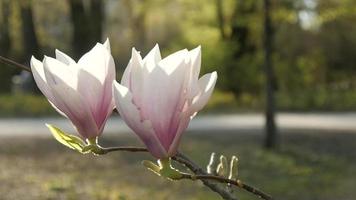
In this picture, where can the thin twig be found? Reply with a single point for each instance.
(15, 64)
(237, 183)
(181, 158)
(199, 173)
(126, 148)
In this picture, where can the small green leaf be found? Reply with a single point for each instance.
(70, 141)
(151, 166)
(88, 148)
(164, 169)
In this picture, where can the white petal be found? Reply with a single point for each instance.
(107, 44)
(40, 79)
(39, 76)
(64, 58)
(98, 62)
(131, 115)
(58, 73)
(206, 85)
(195, 61)
(152, 58)
(135, 62)
(171, 62)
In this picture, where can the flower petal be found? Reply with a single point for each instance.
(195, 61)
(206, 84)
(163, 96)
(96, 74)
(135, 61)
(131, 115)
(72, 105)
(152, 58)
(64, 58)
(107, 44)
(98, 62)
(56, 72)
(39, 76)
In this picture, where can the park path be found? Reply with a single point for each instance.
(227, 122)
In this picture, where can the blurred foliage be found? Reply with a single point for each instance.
(24, 105)
(314, 47)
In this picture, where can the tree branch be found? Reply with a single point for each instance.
(202, 175)
(13, 63)
(199, 173)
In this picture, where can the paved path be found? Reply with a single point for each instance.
(238, 122)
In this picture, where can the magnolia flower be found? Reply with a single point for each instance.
(80, 91)
(157, 97)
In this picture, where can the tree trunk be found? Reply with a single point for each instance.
(87, 25)
(271, 132)
(5, 46)
(220, 18)
(31, 46)
(5, 42)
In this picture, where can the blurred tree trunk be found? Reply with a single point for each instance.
(220, 18)
(31, 46)
(5, 45)
(96, 19)
(5, 42)
(271, 132)
(238, 37)
(87, 22)
(137, 22)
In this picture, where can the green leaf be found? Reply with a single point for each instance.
(70, 141)
(164, 169)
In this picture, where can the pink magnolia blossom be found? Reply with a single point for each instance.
(80, 91)
(157, 97)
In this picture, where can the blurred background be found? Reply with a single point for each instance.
(309, 76)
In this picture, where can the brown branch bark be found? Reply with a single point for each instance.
(13, 63)
(202, 175)
(199, 173)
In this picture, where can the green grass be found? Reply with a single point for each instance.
(315, 166)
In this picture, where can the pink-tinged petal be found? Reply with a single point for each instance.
(96, 74)
(66, 99)
(64, 58)
(163, 96)
(206, 85)
(71, 103)
(131, 115)
(183, 125)
(107, 44)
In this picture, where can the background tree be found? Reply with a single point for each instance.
(271, 132)
(87, 19)
(5, 45)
